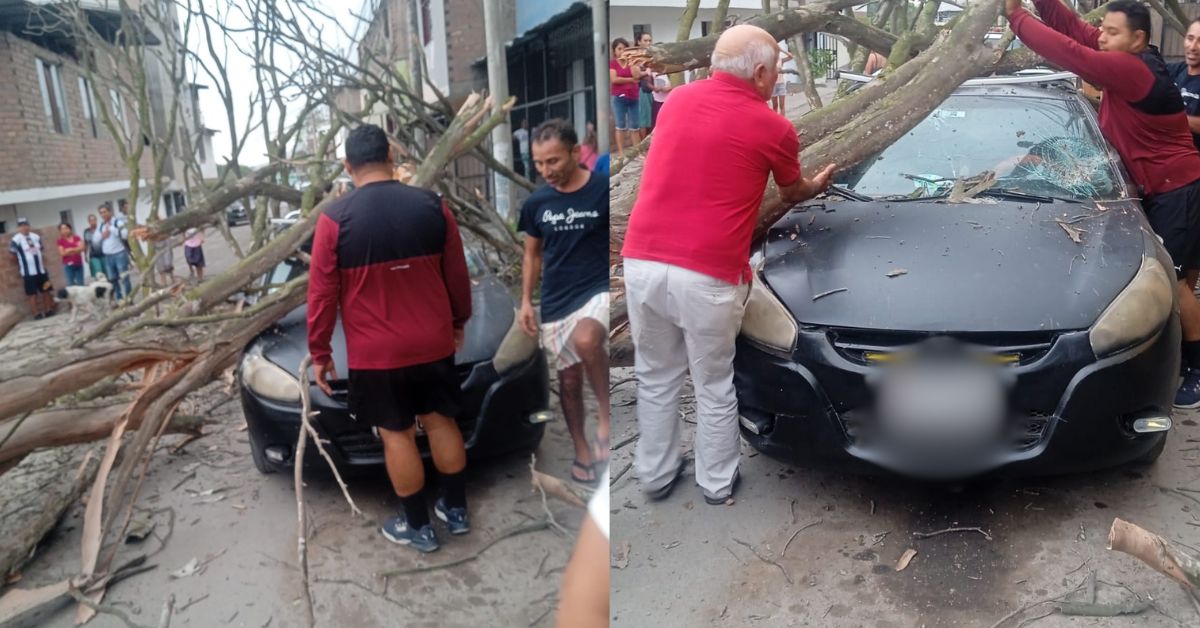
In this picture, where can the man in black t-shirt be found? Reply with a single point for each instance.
(566, 244)
(1186, 75)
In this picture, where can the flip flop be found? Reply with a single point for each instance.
(589, 469)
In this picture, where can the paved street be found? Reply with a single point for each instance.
(689, 564)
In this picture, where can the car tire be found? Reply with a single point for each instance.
(1151, 456)
(260, 458)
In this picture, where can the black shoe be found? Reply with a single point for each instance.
(721, 501)
(660, 494)
(38, 317)
(51, 313)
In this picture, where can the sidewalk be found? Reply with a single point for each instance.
(796, 104)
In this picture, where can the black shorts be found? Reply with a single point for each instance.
(1175, 217)
(37, 284)
(392, 399)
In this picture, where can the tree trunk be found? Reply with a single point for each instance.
(35, 495)
(846, 131)
(684, 33)
(696, 53)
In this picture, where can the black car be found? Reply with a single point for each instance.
(502, 373)
(236, 214)
(1032, 329)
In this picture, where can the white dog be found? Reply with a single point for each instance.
(94, 297)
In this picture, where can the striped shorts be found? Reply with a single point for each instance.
(556, 335)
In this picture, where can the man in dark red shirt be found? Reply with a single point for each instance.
(391, 258)
(1142, 114)
(687, 253)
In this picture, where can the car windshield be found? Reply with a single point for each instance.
(1038, 146)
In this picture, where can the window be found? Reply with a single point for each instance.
(638, 29)
(426, 22)
(65, 216)
(705, 28)
(3, 227)
(53, 100)
(118, 109)
(88, 100)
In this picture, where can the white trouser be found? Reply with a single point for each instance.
(682, 320)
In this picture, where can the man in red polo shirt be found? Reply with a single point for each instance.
(1143, 115)
(687, 250)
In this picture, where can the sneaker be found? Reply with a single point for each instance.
(721, 501)
(397, 531)
(455, 518)
(1188, 395)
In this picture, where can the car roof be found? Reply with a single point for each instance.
(1057, 90)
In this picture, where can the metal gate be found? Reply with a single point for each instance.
(823, 54)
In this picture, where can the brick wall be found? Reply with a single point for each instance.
(466, 42)
(34, 154)
(12, 288)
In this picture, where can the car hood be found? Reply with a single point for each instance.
(999, 266)
(492, 314)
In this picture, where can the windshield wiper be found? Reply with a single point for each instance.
(848, 194)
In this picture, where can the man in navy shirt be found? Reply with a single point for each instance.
(566, 244)
(1186, 75)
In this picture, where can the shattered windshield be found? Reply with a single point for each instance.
(1036, 146)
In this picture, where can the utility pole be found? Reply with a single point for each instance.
(600, 48)
(415, 46)
(497, 69)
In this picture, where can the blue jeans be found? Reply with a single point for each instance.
(74, 275)
(115, 266)
(625, 113)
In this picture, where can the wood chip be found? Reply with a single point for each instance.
(1076, 235)
(829, 292)
(905, 559)
(896, 272)
(621, 557)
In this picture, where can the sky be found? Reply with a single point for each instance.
(241, 70)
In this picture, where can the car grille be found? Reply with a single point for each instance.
(872, 347)
(1025, 429)
(360, 445)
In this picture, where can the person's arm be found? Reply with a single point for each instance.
(123, 229)
(531, 272)
(1194, 124)
(78, 248)
(584, 597)
(324, 286)
(619, 80)
(61, 251)
(1120, 74)
(1057, 16)
(455, 274)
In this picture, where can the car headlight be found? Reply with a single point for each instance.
(267, 379)
(767, 321)
(1138, 311)
(516, 347)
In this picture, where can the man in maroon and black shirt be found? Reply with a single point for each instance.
(391, 258)
(1143, 116)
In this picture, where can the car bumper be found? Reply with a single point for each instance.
(1073, 411)
(496, 418)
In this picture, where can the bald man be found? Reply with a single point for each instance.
(687, 272)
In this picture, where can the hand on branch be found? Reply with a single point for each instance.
(1010, 6)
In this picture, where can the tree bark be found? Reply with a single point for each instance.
(1156, 552)
(823, 17)
(35, 495)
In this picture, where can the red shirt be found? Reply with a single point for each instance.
(73, 259)
(705, 175)
(1141, 112)
(628, 91)
(391, 258)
